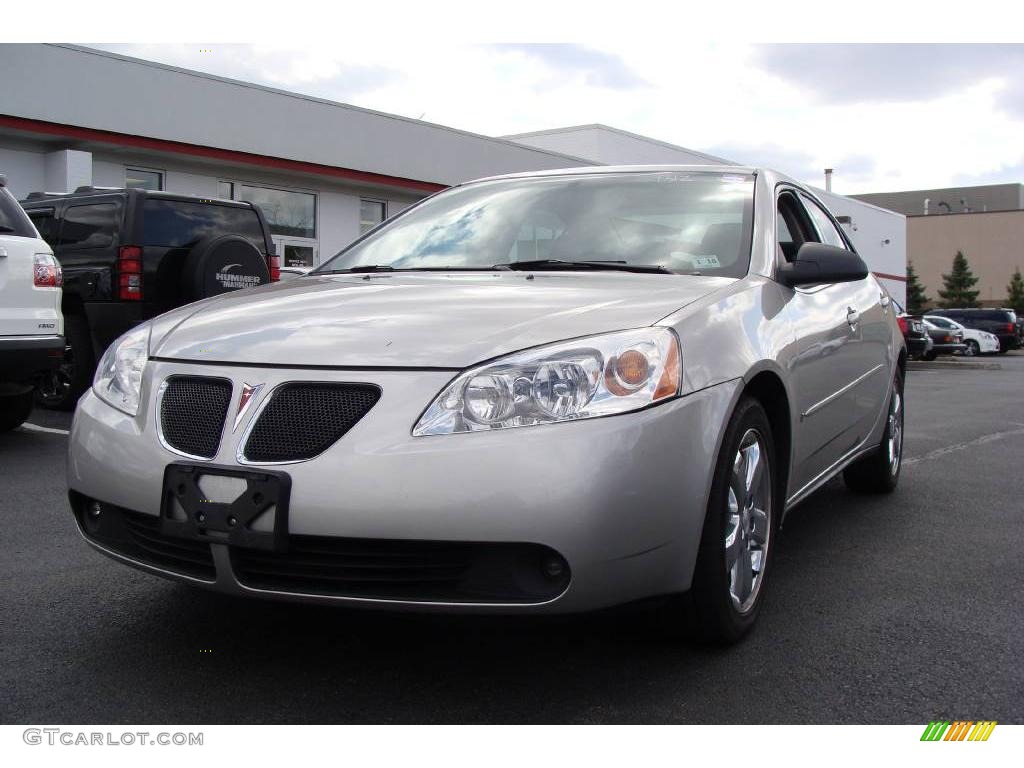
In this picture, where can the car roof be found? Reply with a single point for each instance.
(42, 198)
(612, 169)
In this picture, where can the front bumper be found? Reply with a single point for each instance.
(622, 499)
(24, 358)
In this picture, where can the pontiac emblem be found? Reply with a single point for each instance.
(249, 393)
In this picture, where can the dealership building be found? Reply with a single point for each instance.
(323, 172)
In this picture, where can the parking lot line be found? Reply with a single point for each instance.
(48, 430)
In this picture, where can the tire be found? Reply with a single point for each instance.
(721, 607)
(14, 410)
(1003, 349)
(972, 349)
(60, 389)
(217, 265)
(879, 471)
(929, 356)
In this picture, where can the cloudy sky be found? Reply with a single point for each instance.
(886, 117)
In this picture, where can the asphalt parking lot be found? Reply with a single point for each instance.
(901, 609)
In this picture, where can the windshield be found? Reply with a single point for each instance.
(684, 222)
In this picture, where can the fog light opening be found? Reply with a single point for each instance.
(553, 566)
(95, 509)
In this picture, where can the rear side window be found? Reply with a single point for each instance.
(13, 219)
(88, 226)
(826, 229)
(999, 316)
(182, 224)
(45, 223)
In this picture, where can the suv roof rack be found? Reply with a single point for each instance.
(90, 188)
(43, 195)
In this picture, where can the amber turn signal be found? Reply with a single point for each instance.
(668, 385)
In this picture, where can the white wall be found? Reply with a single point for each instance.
(880, 237)
(25, 171)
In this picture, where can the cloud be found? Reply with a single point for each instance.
(598, 68)
(797, 163)
(837, 74)
(1008, 174)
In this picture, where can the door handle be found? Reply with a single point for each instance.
(852, 317)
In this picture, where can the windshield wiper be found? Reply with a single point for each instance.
(360, 268)
(556, 264)
(368, 268)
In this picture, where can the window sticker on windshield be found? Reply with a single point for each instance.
(706, 262)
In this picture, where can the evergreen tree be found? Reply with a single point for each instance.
(1015, 292)
(916, 297)
(958, 284)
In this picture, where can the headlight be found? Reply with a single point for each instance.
(580, 379)
(119, 373)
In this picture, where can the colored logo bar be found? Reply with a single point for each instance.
(960, 730)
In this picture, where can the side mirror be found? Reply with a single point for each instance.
(820, 263)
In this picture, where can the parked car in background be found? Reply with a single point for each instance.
(945, 341)
(131, 254)
(975, 342)
(918, 342)
(31, 327)
(439, 418)
(1000, 322)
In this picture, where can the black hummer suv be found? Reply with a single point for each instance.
(131, 254)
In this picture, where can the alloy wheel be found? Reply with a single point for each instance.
(894, 445)
(748, 523)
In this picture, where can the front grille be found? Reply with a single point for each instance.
(406, 570)
(302, 420)
(192, 413)
(138, 537)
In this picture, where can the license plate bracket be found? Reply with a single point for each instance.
(225, 522)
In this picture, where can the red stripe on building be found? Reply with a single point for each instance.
(213, 153)
(901, 278)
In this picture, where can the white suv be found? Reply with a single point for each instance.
(31, 324)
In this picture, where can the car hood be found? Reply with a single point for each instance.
(437, 320)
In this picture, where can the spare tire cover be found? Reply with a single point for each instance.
(220, 264)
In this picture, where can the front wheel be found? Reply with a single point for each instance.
(972, 348)
(738, 536)
(14, 410)
(879, 471)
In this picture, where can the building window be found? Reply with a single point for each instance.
(226, 190)
(292, 214)
(140, 178)
(371, 213)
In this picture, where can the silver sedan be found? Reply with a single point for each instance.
(539, 393)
